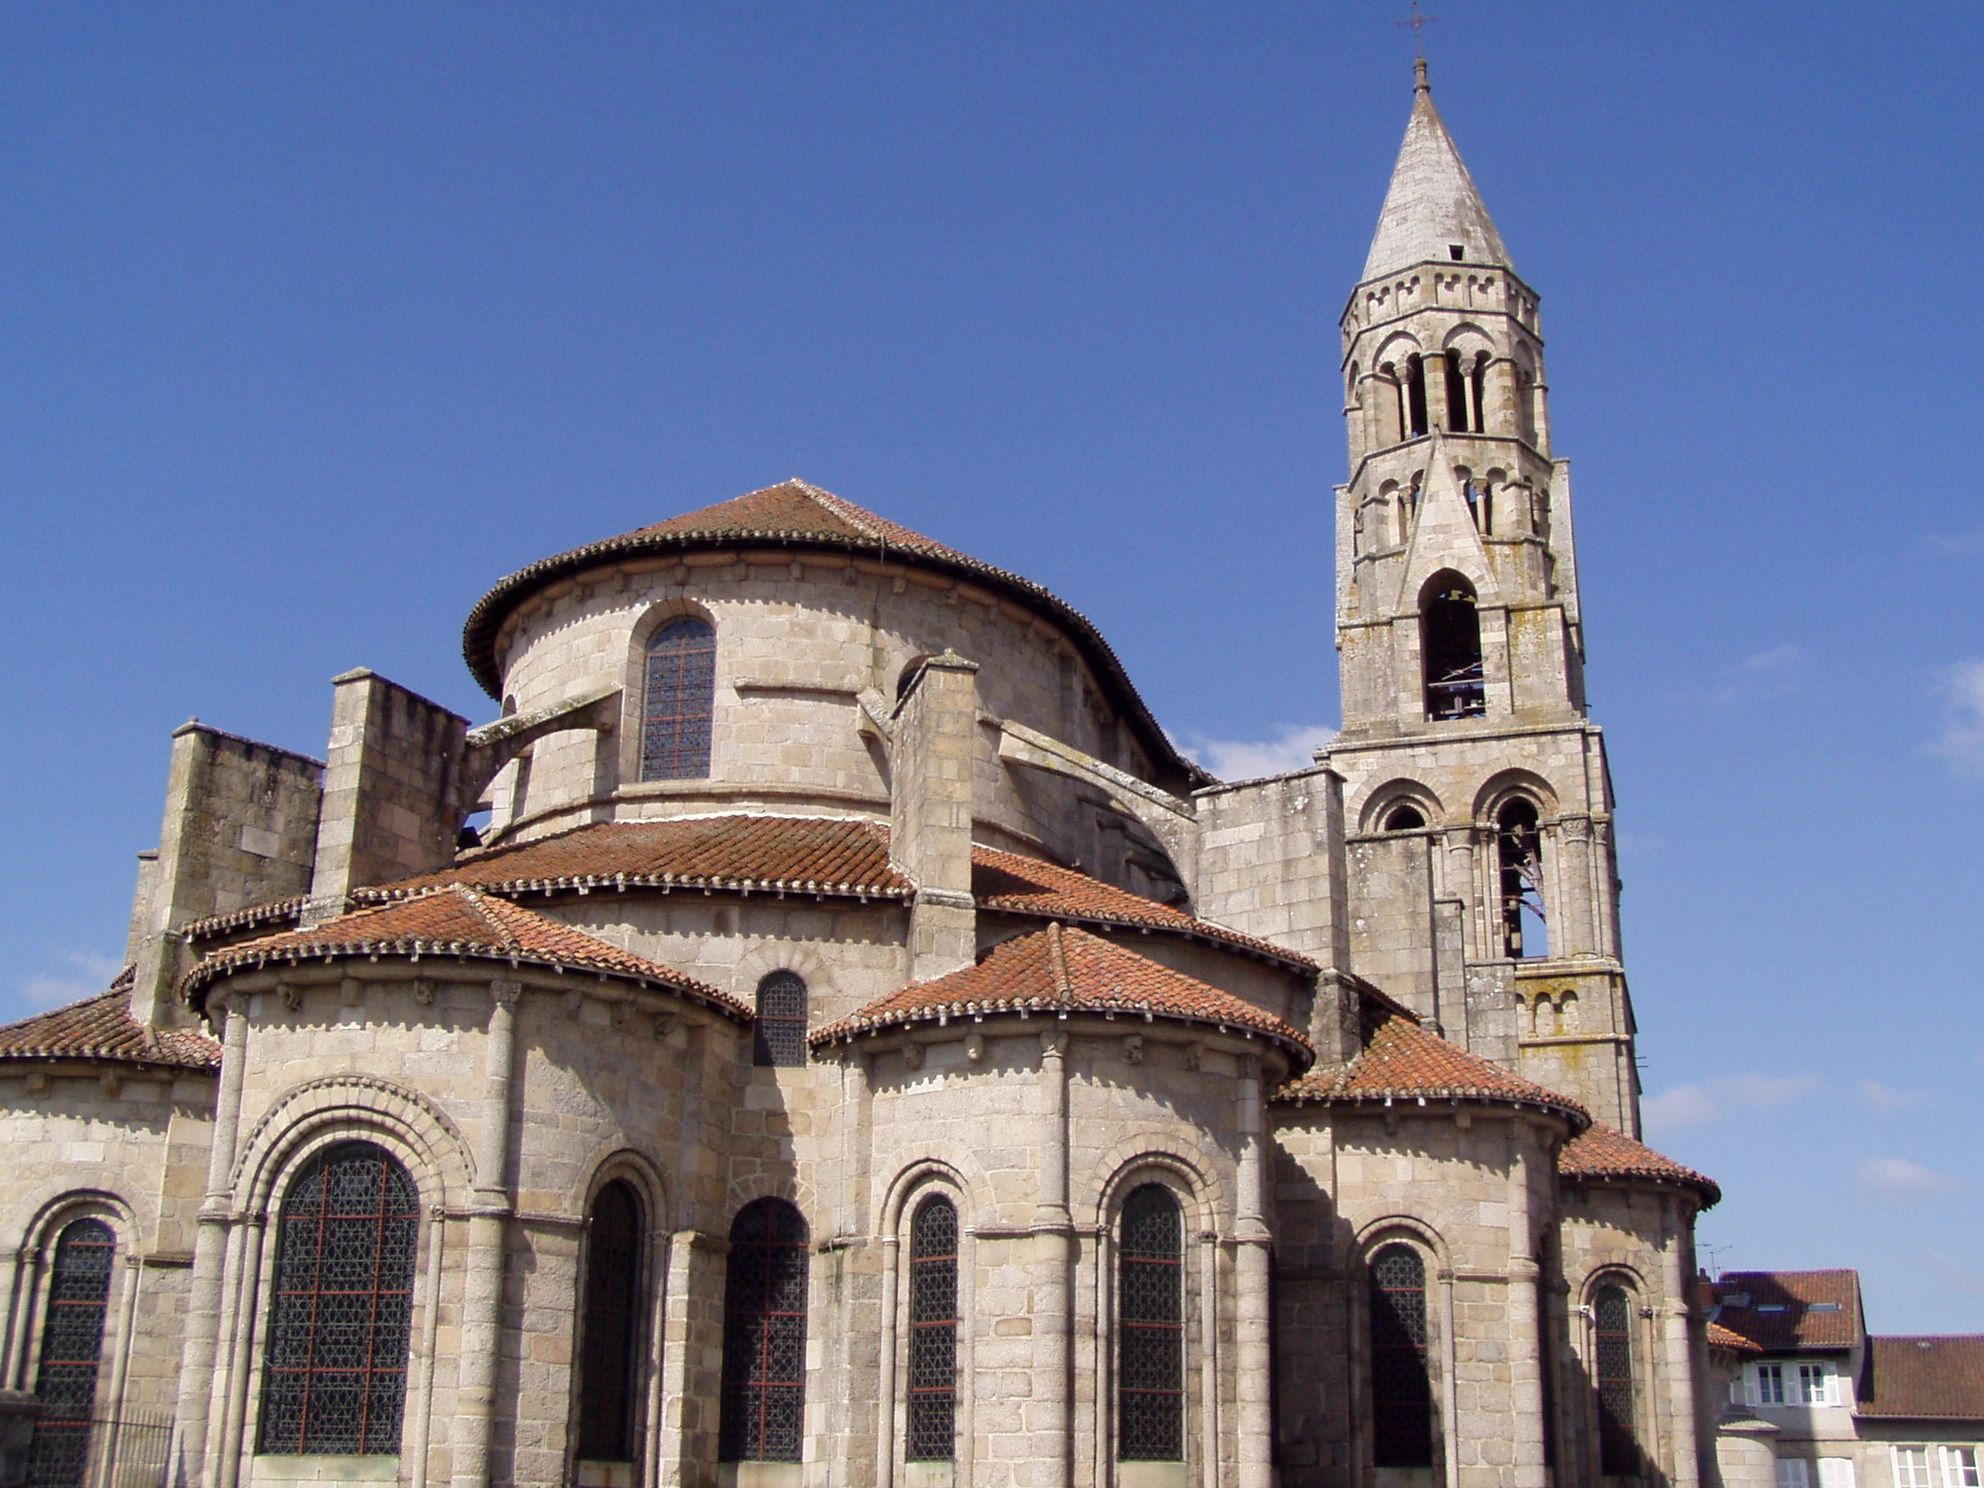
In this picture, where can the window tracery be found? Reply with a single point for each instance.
(764, 1335)
(71, 1352)
(679, 701)
(1150, 1365)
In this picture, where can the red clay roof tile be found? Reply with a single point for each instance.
(1064, 969)
(457, 921)
(1403, 1061)
(1600, 1153)
(1785, 1311)
(1720, 1337)
(1924, 1378)
(102, 1028)
(794, 513)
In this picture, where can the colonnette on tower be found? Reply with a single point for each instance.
(855, 1047)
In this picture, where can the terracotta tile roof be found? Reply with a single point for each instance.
(1019, 885)
(1064, 969)
(1720, 1337)
(1403, 1061)
(793, 854)
(1785, 1311)
(1924, 1379)
(457, 921)
(275, 912)
(102, 1028)
(1601, 1153)
(796, 514)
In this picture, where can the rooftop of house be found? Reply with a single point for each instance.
(1785, 1312)
(1924, 1378)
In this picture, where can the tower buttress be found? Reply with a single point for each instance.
(1477, 797)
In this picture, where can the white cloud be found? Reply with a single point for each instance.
(1291, 747)
(1954, 544)
(1767, 673)
(1901, 1176)
(1962, 739)
(1696, 1105)
(83, 974)
(1881, 1097)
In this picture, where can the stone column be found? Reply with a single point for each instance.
(1433, 376)
(1460, 884)
(488, 1235)
(1051, 1422)
(253, 1231)
(1678, 1364)
(1573, 937)
(189, 1447)
(19, 1345)
(1503, 418)
(885, 1423)
(1252, 1326)
(1525, 1375)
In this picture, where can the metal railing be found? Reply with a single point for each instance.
(85, 1451)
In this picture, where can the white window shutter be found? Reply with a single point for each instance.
(1751, 1395)
(1835, 1472)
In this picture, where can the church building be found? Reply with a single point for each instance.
(823, 1032)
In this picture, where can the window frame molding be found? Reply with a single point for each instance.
(808, 1402)
(626, 1165)
(634, 691)
(40, 1245)
(1440, 1364)
(921, 1180)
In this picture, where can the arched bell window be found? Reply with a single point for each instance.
(610, 1326)
(335, 1371)
(679, 702)
(71, 1350)
(1150, 1328)
(1450, 646)
(933, 1332)
(1519, 854)
(779, 1037)
(1405, 817)
(764, 1336)
(1401, 1388)
(1612, 1376)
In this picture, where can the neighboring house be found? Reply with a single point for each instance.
(1841, 1408)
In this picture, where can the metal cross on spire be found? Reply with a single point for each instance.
(1418, 22)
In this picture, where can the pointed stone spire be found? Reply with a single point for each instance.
(1431, 204)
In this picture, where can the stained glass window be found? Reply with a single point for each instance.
(1401, 1390)
(933, 1332)
(610, 1326)
(679, 702)
(343, 1306)
(764, 1335)
(780, 1037)
(1618, 1444)
(71, 1346)
(1150, 1328)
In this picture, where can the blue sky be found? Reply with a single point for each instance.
(316, 320)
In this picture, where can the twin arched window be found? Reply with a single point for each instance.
(1150, 1328)
(342, 1307)
(1519, 860)
(764, 1335)
(71, 1348)
(933, 1332)
(1450, 649)
(1401, 1388)
(610, 1327)
(1612, 1377)
(679, 701)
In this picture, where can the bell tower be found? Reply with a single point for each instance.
(1476, 790)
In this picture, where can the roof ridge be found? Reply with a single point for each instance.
(484, 907)
(1057, 960)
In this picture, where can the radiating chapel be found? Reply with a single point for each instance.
(823, 1032)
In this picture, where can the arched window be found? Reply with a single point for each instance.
(1150, 1328)
(1401, 1391)
(780, 1036)
(1477, 384)
(71, 1346)
(764, 1335)
(1404, 817)
(1415, 370)
(1450, 640)
(933, 1332)
(610, 1326)
(1618, 1442)
(679, 702)
(1519, 854)
(335, 1376)
(1457, 408)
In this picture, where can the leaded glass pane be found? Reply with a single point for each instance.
(764, 1336)
(71, 1348)
(1401, 1392)
(610, 1327)
(680, 701)
(1618, 1443)
(342, 1310)
(781, 1029)
(1150, 1313)
(933, 1332)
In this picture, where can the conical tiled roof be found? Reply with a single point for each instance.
(1432, 203)
(461, 922)
(1404, 1063)
(101, 1028)
(796, 514)
(1065, 970)
(1603, 1154)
